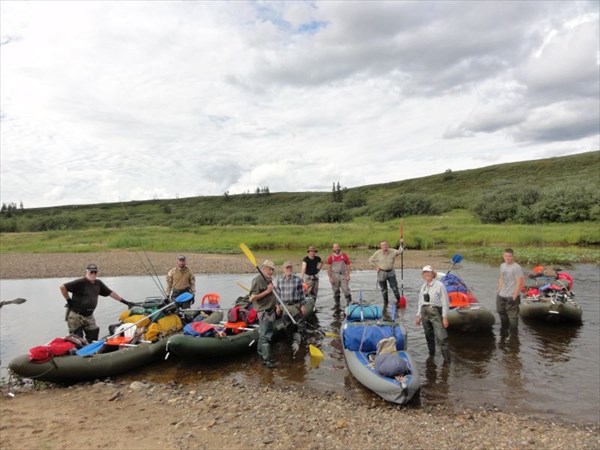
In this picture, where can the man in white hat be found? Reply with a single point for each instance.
(267, 307)
(432, 312)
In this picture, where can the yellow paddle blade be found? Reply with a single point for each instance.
(331, 334)
(248, 253)
(315, 352)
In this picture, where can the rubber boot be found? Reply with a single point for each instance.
(265, 353)
(431, 348)
(336, 302)
(92, 334)
(386, 314)
(77, 332)
(446, 355)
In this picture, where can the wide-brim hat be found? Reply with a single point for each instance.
(269, 263)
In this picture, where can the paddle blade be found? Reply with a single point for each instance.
(248, 254)
(184, 297)
(457, 258)
(331, 334)
(402, 302)
(315, 352)
(90, 349)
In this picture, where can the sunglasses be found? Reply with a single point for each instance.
(94, 271)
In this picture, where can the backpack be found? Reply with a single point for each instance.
(453, 283)
(240, 313)
(163, 327)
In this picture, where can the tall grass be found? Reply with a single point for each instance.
(455, 231)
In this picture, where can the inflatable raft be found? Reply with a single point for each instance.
(547, 296)
(466, 313)
(197, 347)
(110, 361)
(361, 332)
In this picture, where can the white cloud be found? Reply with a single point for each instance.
(109, 101)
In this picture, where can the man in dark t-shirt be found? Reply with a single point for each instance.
(83, 302)
(311, 266)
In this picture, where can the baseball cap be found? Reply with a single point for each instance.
(287, 264)
(427, 269)
(269, 263)
(92, 267)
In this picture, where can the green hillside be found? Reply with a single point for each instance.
(548, 209)
(432, 195)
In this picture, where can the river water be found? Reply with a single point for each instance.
(549, 371)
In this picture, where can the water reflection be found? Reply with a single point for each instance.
(553, 341)
(436, 380)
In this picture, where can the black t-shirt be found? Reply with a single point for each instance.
(85, 294)
(311, 265)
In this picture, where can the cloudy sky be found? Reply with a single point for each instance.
(117, 101)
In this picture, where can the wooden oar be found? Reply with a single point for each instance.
(16, 301)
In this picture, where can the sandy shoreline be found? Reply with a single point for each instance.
(124, 263)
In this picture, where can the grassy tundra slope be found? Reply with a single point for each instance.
(293, 220)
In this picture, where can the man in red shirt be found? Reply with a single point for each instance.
(338, 270)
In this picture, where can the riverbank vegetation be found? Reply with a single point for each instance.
(549, 209)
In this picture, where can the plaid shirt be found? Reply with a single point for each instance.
(290, 290)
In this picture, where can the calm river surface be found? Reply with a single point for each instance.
(551, 371)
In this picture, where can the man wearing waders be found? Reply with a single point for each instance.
(383, 261)
(265, 303)
(338, 270)
(83, 301)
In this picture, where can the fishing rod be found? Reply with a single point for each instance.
(155, 278)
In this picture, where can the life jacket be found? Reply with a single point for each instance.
(199, 329)
(240, 313)
(458, 299)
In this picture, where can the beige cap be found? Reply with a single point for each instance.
(427, 269)
(269, 263)
(287, 264)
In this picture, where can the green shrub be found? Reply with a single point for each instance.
(405, 205)
(355, 199)
(332, 213)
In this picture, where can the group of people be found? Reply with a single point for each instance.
(288, 295)
(81, 296)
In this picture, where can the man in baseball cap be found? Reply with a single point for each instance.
(181, 279)
(83, 302)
